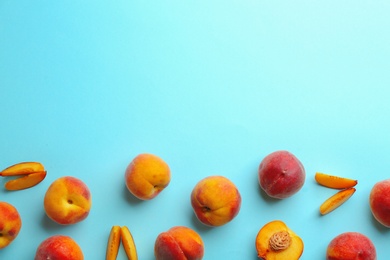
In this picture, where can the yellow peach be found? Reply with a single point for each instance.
(215, 200)
(67, 200)
(146, 176)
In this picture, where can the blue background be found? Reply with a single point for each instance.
(212, 88)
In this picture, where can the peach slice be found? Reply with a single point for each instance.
(336, 200)
(334, 182)
(26, 181)
(128, 243)
(113, 243)
(275, 241)
(22, 169)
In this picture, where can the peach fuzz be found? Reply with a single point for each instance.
(281, 174)
(67, 201)
(10, 223)
(59, 247)
(179, 243)
(215, 200)
(379, 200)
(351, 246)
(146, 176)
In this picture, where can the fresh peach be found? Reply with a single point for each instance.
(351, 246)
(179, 243)
(59, 247)
(276, 241)
(10, 223)
(281, 174)
(146, 176)
(380, 202)
(215, 200)
(67, 200)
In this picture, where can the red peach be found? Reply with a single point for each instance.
(60, 248)
(380, 202)
(179, 243)
(10, 223)
(281, 174)
(351, 246)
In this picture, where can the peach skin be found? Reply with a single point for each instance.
(334, 182)
(179, 243)
(275, 241)
(351, 246)
(336, 200)
(32, 173)
(67, 200)
(215, 200)
(10, 223)
(59, 247)
(379, 200)
(146, 176)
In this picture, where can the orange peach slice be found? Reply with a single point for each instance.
(336, 200)
(26, 181)
(22, 169)
(128, 243)
(275, 241)
(334, 182)
(113, 243)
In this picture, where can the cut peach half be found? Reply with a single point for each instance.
(334, 182)
(22, 169)
(336, 200)
(128, 243)
(113, 243)
(275, 241)
(26, 181)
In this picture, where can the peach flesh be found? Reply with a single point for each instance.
(351, 246)
(380, 202)
(281, 174)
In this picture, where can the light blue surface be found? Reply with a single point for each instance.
(212, 88)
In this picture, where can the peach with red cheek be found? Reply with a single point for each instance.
(10, 224)
(281, 174)
(351, 246)
(67, 201)
(380, 202)
(179, 243)
(59, 247)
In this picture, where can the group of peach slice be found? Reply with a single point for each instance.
(118, 234)
(345, 185)
(29, 173)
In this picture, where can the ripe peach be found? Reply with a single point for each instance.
(215, 200)
(67, 200)
(281, 174)
(10, 223)
(179, 243)
(146, 176)
(380, 202)
(59, 247)
(350, 246)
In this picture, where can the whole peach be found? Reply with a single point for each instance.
(380, 202)
(146, 176)
(281, 174)
(351, 246)
(215, 200)
(67, 200)
(179, 243)
(59, 247)
(10, 223)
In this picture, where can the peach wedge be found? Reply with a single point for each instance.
(113, 243)
(31, 174)
(336, 200)
(334, 182)
(128, 243)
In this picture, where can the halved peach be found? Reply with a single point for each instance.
(335, 182)
(26, 181)
(128, 243)
(22, 169)
(113, 243)
(275, 241)
(336, 200)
